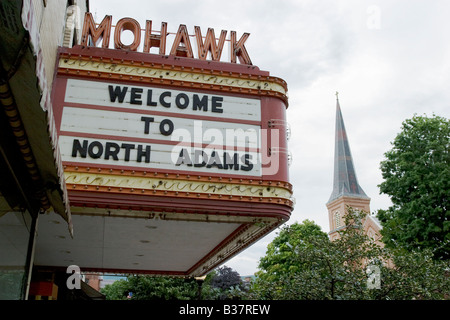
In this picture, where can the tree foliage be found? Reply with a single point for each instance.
(302, 263)
(152, 288)
(220, 284)
(280, 258)
(416, 175)
(224, 283)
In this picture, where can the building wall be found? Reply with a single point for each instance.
(93, 280)
(43, 21)
(52, 21)
(339, 208)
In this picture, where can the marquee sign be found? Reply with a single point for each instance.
(158, 128)
(173, 164)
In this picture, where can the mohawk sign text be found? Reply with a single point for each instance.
(181, 46)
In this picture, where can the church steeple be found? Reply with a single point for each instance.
(345, 182)
(346, 190)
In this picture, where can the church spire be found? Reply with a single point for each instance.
(345, 182)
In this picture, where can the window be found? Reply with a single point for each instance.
(371, 234)
(337, 219)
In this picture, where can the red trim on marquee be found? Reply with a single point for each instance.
(178, 204)
(155, 141)
(93, 166)
(58, 92)
(162, 113)
(142, 59)
(241, 229)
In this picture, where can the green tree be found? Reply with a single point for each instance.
(317, 268)
(416, 175)
(414, 274)
(118, 290)
(152, 288)
(220, 284)
(280, 258)
(223, 283)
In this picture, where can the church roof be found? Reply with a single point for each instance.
(345, 182)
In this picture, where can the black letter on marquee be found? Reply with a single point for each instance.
(199, 104)
(214, 161)
(248, 165)
(98, 154)
(184, 157)
(178, 101)
(112, 153)
(127, 147)
(149, 99)
(147, 121)
(162, 101)
(162, 127)
(217, 104)
(141, 153)
(78, 148)
(135, 97)
(229, 163)
(197, 154)
(114, 93)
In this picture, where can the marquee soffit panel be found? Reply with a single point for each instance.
(157, 246)
(134, 219)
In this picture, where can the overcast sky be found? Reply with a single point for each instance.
(388, 60)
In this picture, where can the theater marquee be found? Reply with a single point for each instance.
(173, 163)
(105, 123)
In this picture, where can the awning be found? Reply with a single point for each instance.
(25, 99)
(91, 293)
